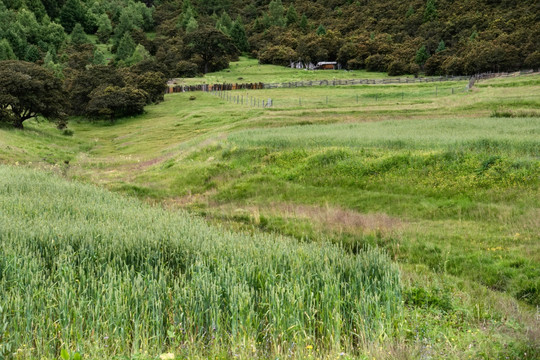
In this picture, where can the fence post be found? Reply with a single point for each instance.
(357, 98)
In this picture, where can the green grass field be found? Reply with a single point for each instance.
(248, 70)
(446, 183)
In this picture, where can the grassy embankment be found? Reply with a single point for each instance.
(450, 192)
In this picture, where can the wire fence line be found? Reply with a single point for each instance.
(175, 88)
(341, 98)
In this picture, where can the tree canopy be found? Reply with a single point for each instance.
(211, 45)
(28, 91)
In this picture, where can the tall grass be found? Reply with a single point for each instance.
(518, 136)
(89, 271)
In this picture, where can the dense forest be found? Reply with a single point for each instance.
(129, 48)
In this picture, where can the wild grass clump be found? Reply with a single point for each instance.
(89, 271)
(507, 113)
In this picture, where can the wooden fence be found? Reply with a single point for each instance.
(336, 82)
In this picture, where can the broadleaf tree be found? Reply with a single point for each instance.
(27, 91)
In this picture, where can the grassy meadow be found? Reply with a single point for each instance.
(247, 70)
(375, 221)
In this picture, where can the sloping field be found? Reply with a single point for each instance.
(83, 269)
(445, 182)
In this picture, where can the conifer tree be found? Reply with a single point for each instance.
(124, 26)
(139, 54)
(441, 47)
(421, 56)
(430, 13)
(304, 23)
(276, 10)
(104, 28)
(192, 25)
(18, 42)
(292, 16)
(78, 36)
(72, 12)
(99, 57)
(238, 35)
(6, 51)
(32, 54)
(126, 47)
(36, 6)
(54, 35)
(225, 23)
(321, 30)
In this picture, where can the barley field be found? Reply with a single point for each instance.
(87, 271)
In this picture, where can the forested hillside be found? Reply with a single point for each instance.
(190, 37)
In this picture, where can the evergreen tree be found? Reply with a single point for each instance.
(304, 24)
(421, 56)
(238, 35)
(276, 10)
(139, 54)
(52, 7)
(125, 25)
(29, 26)
(99, 57)
(78, 36)
(54, 35)
(186, 4)
(48, 59)
(72, 12)
(144, 15)
(292, 16)
(18, 42)
(126, 47)
(14, 4)
(258, 26)
(186, 17)
(192, 25)
(321, 30)
(49, 63)
(36, 6)
(441, 47)
(224, 23)
(474, 35)
(32, 54)
(430, 13)
(6, 51)
(104, 28)
(188, 12)
(266, 22)
(410, 11)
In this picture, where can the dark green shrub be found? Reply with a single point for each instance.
(114, 102)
